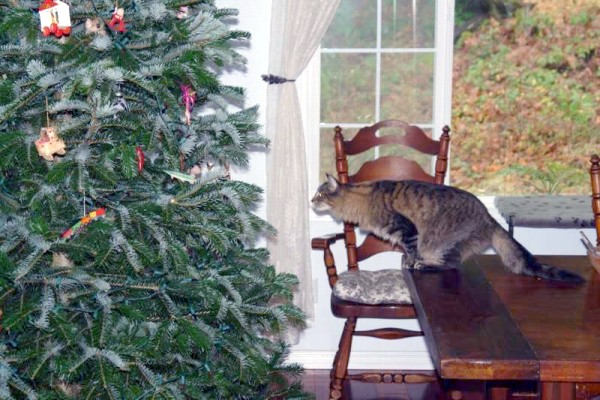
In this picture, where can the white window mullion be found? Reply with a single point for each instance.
(380, 50)
(308, 85)
(414, 21)
(444, 45)
(378, 65)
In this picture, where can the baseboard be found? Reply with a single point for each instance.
(405, 360)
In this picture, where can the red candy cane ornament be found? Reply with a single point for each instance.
(140, 158)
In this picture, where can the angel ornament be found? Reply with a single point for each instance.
(94, 26)
(183, 13)
(49, 143)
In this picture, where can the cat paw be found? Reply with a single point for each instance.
(408, 264)
(424, 266)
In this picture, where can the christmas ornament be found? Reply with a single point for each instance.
(189, 99)
(181, 176)
(196, 171)
(71, 390)
(94, 26)
(140, 158)
(227, 172)
(120, 103)
(117, 22)
(184, 12)
(49, 143)
(92, 215)
(202, 168)
(60, 260)
(55, 18)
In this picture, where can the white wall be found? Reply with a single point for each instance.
(254, 17)
(319, 342)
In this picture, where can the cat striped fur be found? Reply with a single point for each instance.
(439, 226)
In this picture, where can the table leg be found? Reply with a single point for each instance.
(585, 391)
(465, 390)
(498, 393)
(558, 390)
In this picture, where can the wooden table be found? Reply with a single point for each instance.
(484, 324)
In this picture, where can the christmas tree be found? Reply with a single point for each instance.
(128, 259)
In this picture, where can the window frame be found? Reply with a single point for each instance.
(309, 82)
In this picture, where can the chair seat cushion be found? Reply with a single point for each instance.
(386, 286)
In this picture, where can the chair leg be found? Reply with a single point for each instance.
(342, 357)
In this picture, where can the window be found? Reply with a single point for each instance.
(523, 104)
(380, 59)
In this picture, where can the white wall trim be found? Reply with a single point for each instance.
(444, 44)
(381, 360)
(308, 85)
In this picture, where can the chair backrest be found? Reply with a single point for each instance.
(595, 178)
(387, 167)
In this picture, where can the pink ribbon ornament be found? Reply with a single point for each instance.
(188, 97)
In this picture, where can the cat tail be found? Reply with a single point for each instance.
(520, 261)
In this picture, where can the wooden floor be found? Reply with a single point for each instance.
(317, 382)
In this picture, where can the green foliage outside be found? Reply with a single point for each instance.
(469, 14)
(525, 103)
(166, 296)
(552, 179)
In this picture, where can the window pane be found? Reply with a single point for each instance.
(327, 155)
(327, 161)
(424, 160)
(408, 24)
(407, 87)
(347, 88)
(354, 25)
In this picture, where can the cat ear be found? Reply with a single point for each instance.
(332, 183)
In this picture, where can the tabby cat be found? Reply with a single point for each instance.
(438, 226)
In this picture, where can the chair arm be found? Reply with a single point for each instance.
(324, 243)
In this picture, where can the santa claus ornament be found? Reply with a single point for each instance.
(117, 21)
(55, 18)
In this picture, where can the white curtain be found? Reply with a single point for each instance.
(296, 30)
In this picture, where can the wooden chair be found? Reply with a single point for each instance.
(382, 168)
(595, 178)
